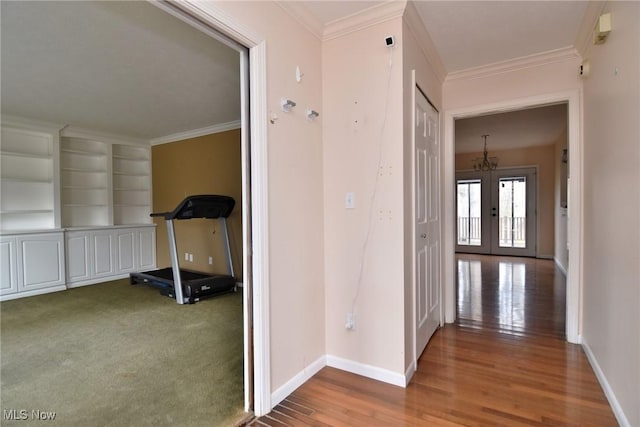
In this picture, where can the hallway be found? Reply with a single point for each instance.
(505, 362)
(522, 296)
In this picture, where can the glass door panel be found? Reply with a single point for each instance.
(512, 212)
(473, 221)
(469, 215)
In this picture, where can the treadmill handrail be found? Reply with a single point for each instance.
(200, 206)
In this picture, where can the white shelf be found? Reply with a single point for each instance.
(9, 179)
(25, 155)
(24, 211)
(84, 153)
(131, 159)
(79, 187)
(80, 170)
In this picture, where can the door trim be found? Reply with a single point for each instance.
(211, 19)
(575, 196)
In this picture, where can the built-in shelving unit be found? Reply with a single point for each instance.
(131, 184)
(105, 182)
(85, 176)
(28, 178)
(74, 207)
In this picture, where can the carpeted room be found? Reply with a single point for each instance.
(83, 137)
(113, 354)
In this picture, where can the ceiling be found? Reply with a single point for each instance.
(512, 130)
(131, 69)
(119, 67)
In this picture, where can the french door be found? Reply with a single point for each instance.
(496, 212)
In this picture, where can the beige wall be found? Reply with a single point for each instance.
(296, 228)
(355, 79)
(206, 165)
(551, 77)
(611, 315)
(544, 158)
(414, 58)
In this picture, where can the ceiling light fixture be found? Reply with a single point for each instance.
(485, 163)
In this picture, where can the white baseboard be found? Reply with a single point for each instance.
(608, 391)
(368, 371)
(409, 373)
(560, 266)
(300, 378)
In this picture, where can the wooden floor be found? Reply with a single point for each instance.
(505, 363)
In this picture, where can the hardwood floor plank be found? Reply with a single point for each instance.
(504, 363)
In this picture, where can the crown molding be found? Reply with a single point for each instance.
(535, 60)
(111, 138)
(300, 13)
(416, 26)
(357, 21)
(222, 127)
(584, 38)
(26, 122)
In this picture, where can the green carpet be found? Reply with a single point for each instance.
(113, 354)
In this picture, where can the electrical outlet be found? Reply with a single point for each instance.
(210, 260)
(186, 256)
(190, 257)
(351, 321)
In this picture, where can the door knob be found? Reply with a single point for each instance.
(423, 235)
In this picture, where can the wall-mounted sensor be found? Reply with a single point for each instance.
(390, 41)
(585, 68)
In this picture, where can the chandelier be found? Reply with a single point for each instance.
(485, 163)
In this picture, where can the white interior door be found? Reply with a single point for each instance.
(427, 221)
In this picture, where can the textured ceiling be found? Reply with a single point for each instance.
(120, 67)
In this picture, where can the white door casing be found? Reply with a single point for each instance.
(213, 20)
(427, 221)
(575, 205)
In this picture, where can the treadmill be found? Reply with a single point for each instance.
(187, 286)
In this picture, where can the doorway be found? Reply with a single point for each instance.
(210, 18)
(574, 193)
(496, 212)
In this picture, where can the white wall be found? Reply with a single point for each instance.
(611, 317)
(296, 253)
(355, 80)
